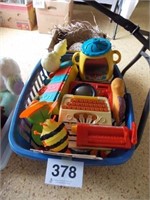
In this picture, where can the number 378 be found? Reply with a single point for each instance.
(63, 170)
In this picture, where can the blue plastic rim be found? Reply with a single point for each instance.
(21, 147)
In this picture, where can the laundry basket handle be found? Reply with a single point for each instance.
(139, 55)
(140, 35)
(125, 23)
(143, 119)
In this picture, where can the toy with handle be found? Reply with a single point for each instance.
(96, 60)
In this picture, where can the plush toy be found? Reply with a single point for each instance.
(51, 61)
(10, 76)
(11, 85)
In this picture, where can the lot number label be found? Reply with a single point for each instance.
(64, 173)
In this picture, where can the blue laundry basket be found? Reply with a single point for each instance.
(21, 145)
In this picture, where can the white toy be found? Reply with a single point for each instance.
(10, 76)
(51, 60)
(11, 85)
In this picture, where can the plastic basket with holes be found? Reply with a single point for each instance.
(22, 143)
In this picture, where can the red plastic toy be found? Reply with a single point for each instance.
(95, 136)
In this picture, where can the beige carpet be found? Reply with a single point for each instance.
(24, 178)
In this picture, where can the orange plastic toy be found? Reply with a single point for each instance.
(118, 101)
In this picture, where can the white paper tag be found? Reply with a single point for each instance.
(64, 173)
(39, 3)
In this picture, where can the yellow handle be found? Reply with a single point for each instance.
(75, 55)
(118, 58)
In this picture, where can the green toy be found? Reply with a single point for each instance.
(36, 114)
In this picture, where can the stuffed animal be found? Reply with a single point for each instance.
(10, 76)
(11, 85)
